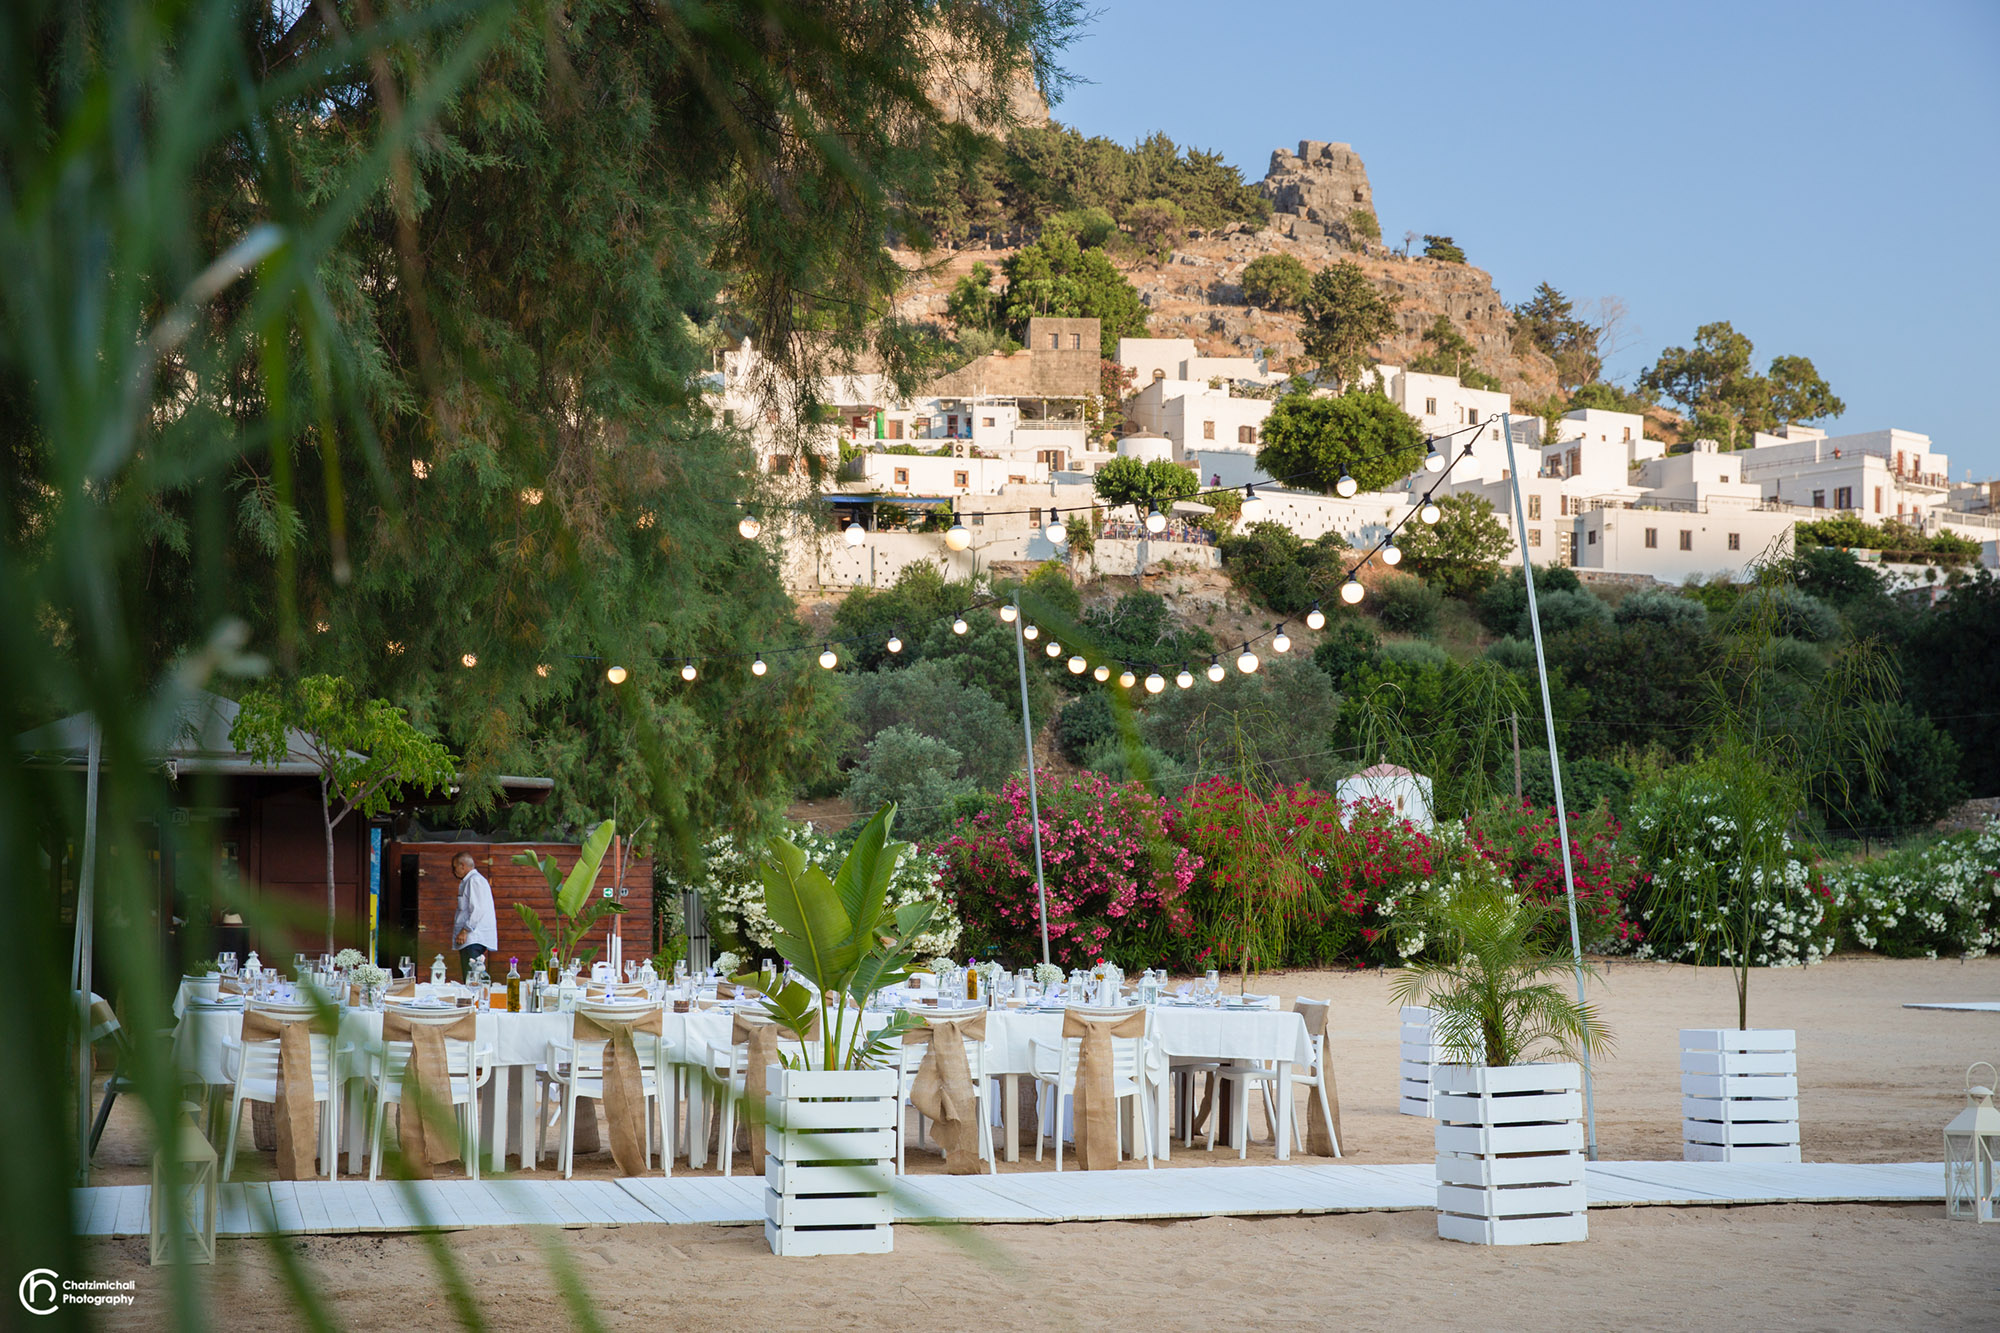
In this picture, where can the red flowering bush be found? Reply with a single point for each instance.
(1283, 878)
(1525, 844)
(1117, 880)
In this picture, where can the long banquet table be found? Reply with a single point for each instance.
(520, 1043)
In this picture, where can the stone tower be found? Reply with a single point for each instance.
(1322, 182)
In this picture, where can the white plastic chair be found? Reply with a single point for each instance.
(1238, 1075)
(253, 1075)
(468, 1067)
(726, 1070)
(906, 1060)
(575, 1069)
(1131, 1076)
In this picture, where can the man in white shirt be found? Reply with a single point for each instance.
(474, 930)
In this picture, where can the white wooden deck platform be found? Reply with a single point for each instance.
(349, 1207)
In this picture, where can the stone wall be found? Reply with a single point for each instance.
(1320, 185)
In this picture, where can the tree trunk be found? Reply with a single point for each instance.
(326, 815)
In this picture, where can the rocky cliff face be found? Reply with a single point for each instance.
(1198, 292)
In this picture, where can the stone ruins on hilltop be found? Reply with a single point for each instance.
(1319, 186)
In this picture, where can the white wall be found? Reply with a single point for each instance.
(1615, 540)
(916, 474)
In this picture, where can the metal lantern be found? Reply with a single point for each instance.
(1971, 1150)
(186, 1195)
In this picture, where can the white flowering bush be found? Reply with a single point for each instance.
(1920, 902)
(732, 889)
(1724, 888)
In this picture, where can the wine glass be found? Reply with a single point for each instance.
(631, 969)
(404, 966)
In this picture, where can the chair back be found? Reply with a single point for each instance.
(1314, 1013)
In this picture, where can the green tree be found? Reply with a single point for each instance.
(1505, 600)
(1092, 226)
(1157, 484)
(932, 698)
(1550, 324)
(1271, 563)
(1156, 224)
(1799, 393)
(1915, 783)
(1459, 554)
(368, 755)
(1345, 315)
(973, 304)
(1361, 228)
(1952, 674)
(1349, 645)
(1715, 383)
(1057, 276)
(1311, 441)
(1276, 282)
(917, 774)
(1712, 371)
(1443, 248)
(1450, 353)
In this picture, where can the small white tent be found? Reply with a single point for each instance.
(1406, 794)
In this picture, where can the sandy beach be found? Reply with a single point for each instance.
(1878, 1082)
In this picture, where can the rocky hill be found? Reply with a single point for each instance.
(1197, 292)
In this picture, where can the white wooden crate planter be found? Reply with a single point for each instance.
(1739, 1095)
(830, 1153)
(1510, 1154)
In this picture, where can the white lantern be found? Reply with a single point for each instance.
(1433, 460)
(1054, 649)
(959, 626)
(1247, 661)
(185, 1197)
(1430, 513)
(1281, 642)
(1127, 679)
(1215, 671)
(1155, 682)
(1315, 618)
(1077, 666)
(1185, 679)
(1101, 673)
(1972, 1153)
(1007, 613)
(687, 670)
(616, 675)
(757, 668)
(1352, 591)
(895, 644)
(827, 659)
(1031, 632)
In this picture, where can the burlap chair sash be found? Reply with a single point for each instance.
(761, 1035)
(942, 1090)
(294, 1110)
(1095, 1106)
(624, 1082)
(1324, 1106)
(425, 1126)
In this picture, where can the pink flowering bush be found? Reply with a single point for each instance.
(1117, 880)
(1525, 842)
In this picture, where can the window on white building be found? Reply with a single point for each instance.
(1534, 506)
(895, 429)
(1735, 541)
(1075, 341)
(1055, 342)
(1628, 435)
(1878, 499)
(1208, 430)
(986, 421)
(961, 478)
(902, 476)
(1034, 518)
(1843, 497)
(1687, 540)
(1013, 480)
(1430, 407)
(1534, 536)
(1590, 539)
(1652, 539)
(1819, 499)
(921, 428)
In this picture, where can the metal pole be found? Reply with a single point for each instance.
(79, 969)
(1555, 766)
(1034, 801)
(1514, 729)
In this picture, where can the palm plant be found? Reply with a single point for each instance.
(569, 894)
(842, 938)
(1494, 989)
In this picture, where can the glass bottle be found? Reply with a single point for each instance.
(971, 979)
(555, 967)
(513, 985)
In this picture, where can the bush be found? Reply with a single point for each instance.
(1117, 883)
(1349, 645)
(930, 698)
(1562, 610)
(732, 888)
(918, 774)
(1415, 653)
(1126, 761)
(1587, 783)
(1925, 901)
(1249, 725)
(1788, 612)
(1269, 562)
(1275, 282)
(1662, 607)
(1525, 843)
(1513, 654)
(1504, 600)
(1086, 722)
(1408, 604)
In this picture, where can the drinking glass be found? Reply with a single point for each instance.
(404, 966)
(229, 965)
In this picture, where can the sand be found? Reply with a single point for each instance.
(1877, 1081)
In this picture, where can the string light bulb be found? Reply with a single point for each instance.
(1054, 649)
(470, 660)
(1352, 591)
(1246, 661)
(1127, 679)
(757, 668)
(1281, 642)
(856, 535)
(1102, 673)
(1430, 513)
(1215, 671)
(959, 626)
(1057, 531)
(1392, 554)
(827, 659)
(1185, 678)
(1433, 460)
(1008, 611)
(1155, 682)
(616, 675)
(1315, 618)
(957, 536)
(1031, 632)
(1346, 486)
(748, 527)
(687, 671)
(542, 670)
(1156, 522)
(1077, 666)
(895, 644)
(1253, 504)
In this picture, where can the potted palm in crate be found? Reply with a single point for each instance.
(1509, 1134)
(829, 1114)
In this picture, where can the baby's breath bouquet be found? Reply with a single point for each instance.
(347, 959)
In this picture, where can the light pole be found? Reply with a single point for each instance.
(1034, 801)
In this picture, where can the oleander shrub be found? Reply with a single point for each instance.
(1922, 902)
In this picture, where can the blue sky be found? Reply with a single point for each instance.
(1825, 176)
